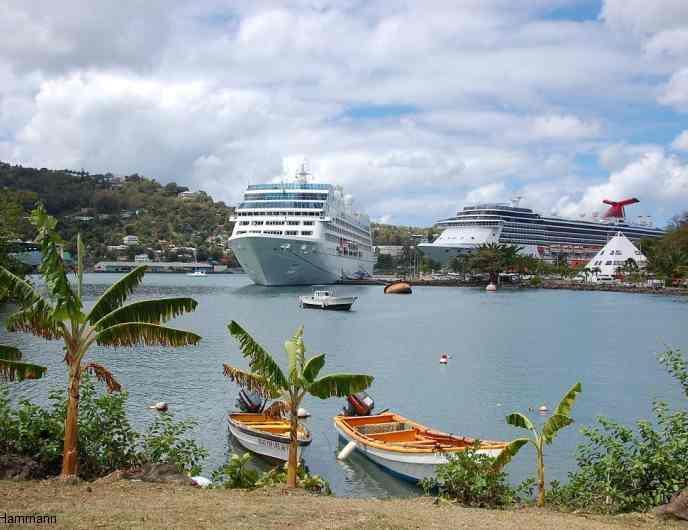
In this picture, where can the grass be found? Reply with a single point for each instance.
(130, 504)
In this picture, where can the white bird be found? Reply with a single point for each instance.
(160, 406)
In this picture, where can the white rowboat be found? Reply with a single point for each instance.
(265, 435)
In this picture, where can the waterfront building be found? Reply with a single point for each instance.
(549, 238)
(130, 240)
(301, 233)
(618, 253)
(395, 251)
(153, 266)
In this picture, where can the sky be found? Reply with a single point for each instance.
(416, 108)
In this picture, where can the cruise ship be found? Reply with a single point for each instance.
(301, 233)
(548, 238)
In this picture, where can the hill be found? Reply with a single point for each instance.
(105, 208)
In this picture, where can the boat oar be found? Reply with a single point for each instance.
(348, 449)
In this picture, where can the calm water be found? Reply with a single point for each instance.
(510, 351)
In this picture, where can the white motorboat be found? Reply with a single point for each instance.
(265, 435)
(196, 273)
(326, 299)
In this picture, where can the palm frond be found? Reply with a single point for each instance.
(509, 452)
(12, 368)
(313, 367)
(519, 420)
(103, 375)
(296, 352)
(260, 360)
(36, 319)
(67, 305)
(566, 403)
(116, 294)
(251, 381)
(277, 409)
(553, 425)
(17, 289)
(141, 333)
(151, 311)
(339, 385)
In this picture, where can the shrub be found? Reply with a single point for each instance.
(621, 469)
(471, 479)
(165, 442)
(107, 441)
(236, 473)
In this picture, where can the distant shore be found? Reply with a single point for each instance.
(546, 284)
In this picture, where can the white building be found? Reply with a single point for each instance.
(130, 240)
(613, 256)
(395, 251)
(141, 257)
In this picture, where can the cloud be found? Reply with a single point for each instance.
(656, 177)
(558, 127)
(494, 192)
(675, 92)
(681, 141)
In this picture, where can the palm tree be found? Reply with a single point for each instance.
(560, 419)
(61, 316)
(12, 368)
(494, 258)
(268, 379)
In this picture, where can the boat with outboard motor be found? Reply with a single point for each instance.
(255, 428)
(402, 447)
(326, 299)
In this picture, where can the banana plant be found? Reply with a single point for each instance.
(12, 368)
(59, 314)
(267, 379)
(558, 420)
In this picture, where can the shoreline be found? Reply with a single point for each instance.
(546, 284)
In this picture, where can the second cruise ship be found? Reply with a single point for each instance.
(301, 233)
(548, 238)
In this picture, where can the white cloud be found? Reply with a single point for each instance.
(681, 141)
(559, 127)
(675, 93)
(641, 16)
(493, 192)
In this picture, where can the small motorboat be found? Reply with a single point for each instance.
(326, 299)
(403, 447)
(266, 435)
(196, 273)
(444, 358)
(398, 287)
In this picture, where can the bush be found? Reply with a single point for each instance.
(165, 442)
(470, 478)
(107, 441)
(621, 469)
(237, 473)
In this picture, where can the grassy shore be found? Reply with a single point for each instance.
(127, 504)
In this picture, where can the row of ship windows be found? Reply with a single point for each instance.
(289, 186)
(277, 232)
(271, 214)
(281, 204)
(285, 196)
(355, 237)
(347, 224)
(276, 223)
(338, 240)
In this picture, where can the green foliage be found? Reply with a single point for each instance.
(107, 441)
(621, 469)
(238, 474)
(12, 368)
(166, 441)
(493, 259)
(472, 479)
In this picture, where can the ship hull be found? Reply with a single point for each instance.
(443, 253)
(275, 261)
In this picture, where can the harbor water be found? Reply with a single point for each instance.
(509, 351)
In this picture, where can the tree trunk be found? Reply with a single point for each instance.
(541, 479)
(293, 448)
(70, 456)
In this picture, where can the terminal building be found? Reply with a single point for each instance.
(153, 266)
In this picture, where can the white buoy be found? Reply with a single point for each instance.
(302, 413)
(160, 406)
(491, 287)
(444, 358)
(543, 409)
(348, 449)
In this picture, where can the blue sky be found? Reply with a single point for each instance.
(416, 108)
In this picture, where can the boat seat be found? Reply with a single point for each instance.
(407, 435)
(389, 426)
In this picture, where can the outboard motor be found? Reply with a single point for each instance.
(248, 401)
(360, 404)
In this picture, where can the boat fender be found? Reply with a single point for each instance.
(302, 413)
(348, 449)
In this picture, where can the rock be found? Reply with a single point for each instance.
(15, 467)
(676, 507)
(112, 477)
(158, 473)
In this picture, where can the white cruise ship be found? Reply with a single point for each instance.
(301, 233)
(548, 238)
